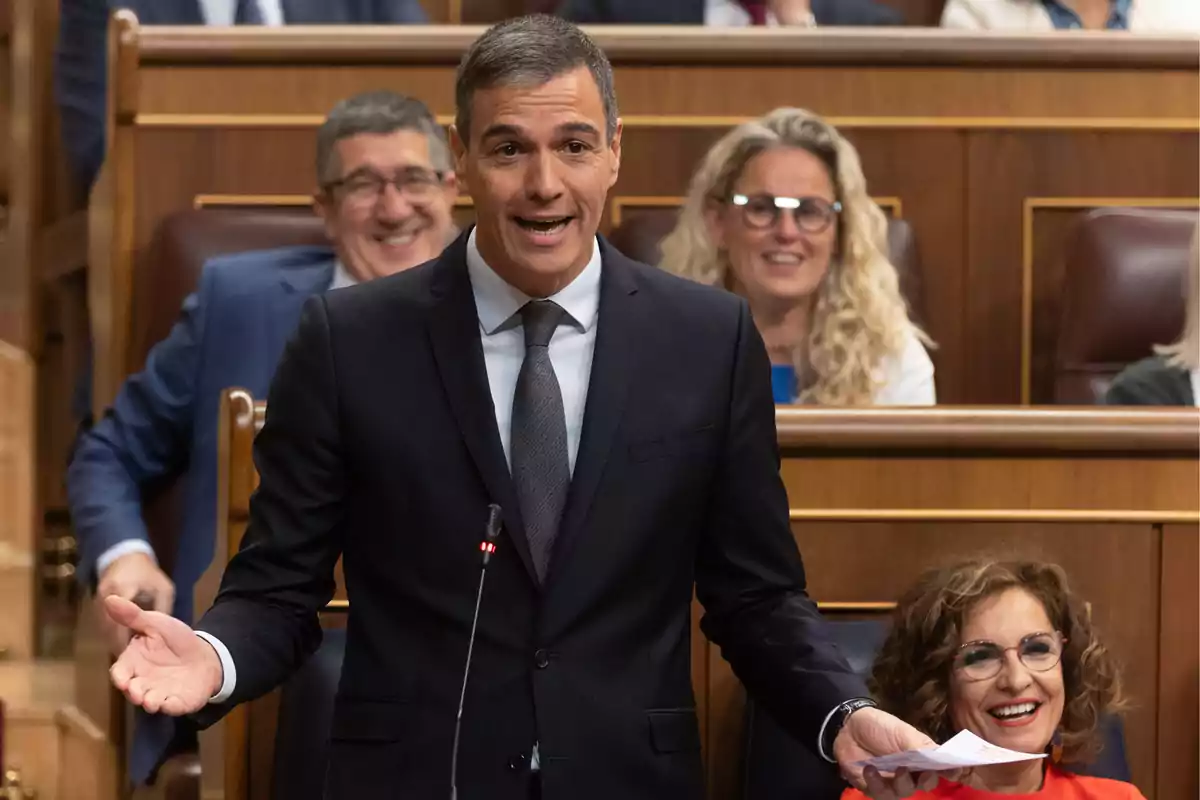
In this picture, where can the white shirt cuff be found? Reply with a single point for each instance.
(821, 734)
(228, 671)
(122, 549)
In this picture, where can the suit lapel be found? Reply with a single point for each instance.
(296, 285)
(620, 322)
(454, 333)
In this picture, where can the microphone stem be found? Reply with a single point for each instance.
(462, 697)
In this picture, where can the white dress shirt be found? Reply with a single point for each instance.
(1195, 376)
(907, 377)
(222, 12)
(730, 14)
(1145, 16)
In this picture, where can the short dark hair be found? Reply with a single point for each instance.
(530, 50)
(911, 676)
(379, 112)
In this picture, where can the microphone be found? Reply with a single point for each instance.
(487, 547)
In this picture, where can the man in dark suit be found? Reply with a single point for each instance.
(622, 419)
(81, 62)
(386, 194)
(735, 13)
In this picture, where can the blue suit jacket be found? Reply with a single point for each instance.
(691, 12)
(80, 61)
(232, 332)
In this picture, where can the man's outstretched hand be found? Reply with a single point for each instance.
(166, 667)
(870, 732)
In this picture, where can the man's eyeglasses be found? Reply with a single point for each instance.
(981, 660)
(365, 188)
(761, 211)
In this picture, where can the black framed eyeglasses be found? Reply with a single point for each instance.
(761, 211)
(981, 660)
(367, 186)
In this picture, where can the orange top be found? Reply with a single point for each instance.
(1059, 785)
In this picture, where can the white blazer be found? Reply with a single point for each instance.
(1027, 16)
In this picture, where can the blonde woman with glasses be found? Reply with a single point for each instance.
(779, 213)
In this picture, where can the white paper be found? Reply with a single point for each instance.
(964, 750)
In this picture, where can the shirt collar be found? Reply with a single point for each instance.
(341, 276)
(497, 301)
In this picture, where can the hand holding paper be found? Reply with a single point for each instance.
(963, 750)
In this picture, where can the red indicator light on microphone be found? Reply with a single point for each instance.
(487, 547)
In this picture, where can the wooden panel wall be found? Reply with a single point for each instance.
(991, 145)
(18, 522)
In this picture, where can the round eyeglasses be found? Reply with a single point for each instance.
(762, 211)
(981, 660)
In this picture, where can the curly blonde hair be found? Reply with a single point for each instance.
(860, 318)
(1185, 351)
(911, 675)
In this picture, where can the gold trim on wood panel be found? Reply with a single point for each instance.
(990, 515)
(285, 120)
(857, 607)
(620, 202)
(832, 607)
(289, 200)
(991, 123)
(225, 200)
(1033, 204)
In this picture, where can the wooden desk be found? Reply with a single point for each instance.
(1112, 496)
(878, 497)
(988, 145)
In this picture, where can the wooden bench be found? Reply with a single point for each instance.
(988, 145)
(877, 497)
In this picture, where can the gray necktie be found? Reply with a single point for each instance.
(248, 13)
(540, 466)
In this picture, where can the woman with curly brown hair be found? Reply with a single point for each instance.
(1006, 651)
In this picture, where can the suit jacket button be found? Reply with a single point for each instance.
(518, 762)
(541, 659)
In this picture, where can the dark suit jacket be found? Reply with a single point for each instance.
(164, 420)
(81, 65)
(1151, 382)
(381, 445)
(691, 12)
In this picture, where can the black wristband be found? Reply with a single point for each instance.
(838, 720)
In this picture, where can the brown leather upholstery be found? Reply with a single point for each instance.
(1124, 293)
(166, 273)
(641, 232)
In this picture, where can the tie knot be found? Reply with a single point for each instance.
(540, 318)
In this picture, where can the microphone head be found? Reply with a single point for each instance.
(494, 522)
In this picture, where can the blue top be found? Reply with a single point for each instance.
(1065, 19)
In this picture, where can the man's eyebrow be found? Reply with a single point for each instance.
(501, 129)
(579, 127)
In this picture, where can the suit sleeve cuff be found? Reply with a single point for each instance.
(228, 670)
(121, 549)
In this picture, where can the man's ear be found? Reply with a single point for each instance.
(615, 148)
(458, 148)
(323, 206)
